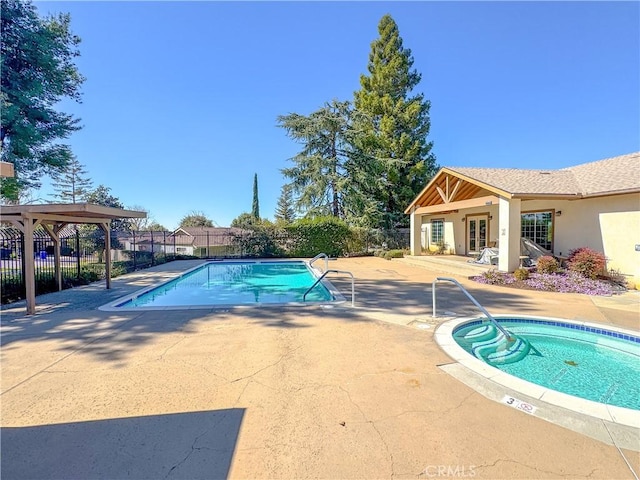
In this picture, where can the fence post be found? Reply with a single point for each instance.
(207, 244)
(152, 256)
(77, 252)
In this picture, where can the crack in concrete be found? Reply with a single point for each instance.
(460, 404)
(624, 457)
(194, 448)
(366, 420)
(161, 356)
(266, 367)
(242, 392)
(550, 472)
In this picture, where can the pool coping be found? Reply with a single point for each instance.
(114, 305)
(443, 335)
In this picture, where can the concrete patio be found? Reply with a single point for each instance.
(276, 392)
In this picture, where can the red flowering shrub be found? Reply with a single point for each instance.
(587, 262)
(547, 264)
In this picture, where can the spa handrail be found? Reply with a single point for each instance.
(318, 257)
(475, 302)
(353, 285)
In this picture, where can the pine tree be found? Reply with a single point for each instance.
(71, 184)
(392, 154)
(255, 210)
(285, 212)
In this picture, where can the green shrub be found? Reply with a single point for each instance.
(309, 237)
(521, 274)
(388, 255)
(547, 264)
(586, 262)
(358, 241)
(494, 277)
(258, 240)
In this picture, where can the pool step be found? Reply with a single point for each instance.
(493, 347)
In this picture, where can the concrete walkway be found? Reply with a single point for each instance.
(276, 392)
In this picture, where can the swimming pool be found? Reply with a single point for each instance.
(569, 363)
(232, 283)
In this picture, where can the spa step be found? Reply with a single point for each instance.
(481, 333)
(500, 350)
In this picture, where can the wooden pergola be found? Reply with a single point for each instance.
(53, 218)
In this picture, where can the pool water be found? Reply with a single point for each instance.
(236, 283)
(603, 367)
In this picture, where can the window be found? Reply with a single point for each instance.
(538, 227)
(437, 232)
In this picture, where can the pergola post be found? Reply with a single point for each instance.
(29, 265)
(106, 228)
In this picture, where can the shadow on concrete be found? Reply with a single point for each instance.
(114, 336)
(400, 296)
(190, 445)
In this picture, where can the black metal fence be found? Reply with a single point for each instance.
(82, 251)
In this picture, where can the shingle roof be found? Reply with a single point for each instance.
(611, 175)
(516, 181)
(616, 174)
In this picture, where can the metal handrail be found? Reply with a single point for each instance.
(318, 257)
(508, 335)
(353, 285)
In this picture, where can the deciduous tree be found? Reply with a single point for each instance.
(37, 70)
(196, 219)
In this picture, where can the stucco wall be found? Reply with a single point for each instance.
(607, 224)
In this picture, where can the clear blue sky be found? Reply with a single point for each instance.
(181, 99)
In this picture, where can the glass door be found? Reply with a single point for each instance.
(477, 230)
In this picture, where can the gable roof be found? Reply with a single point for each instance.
(609, 176)
(195, 231)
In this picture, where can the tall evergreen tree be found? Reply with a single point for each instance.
(285, 211)
(392, 154)
(255, 210)
(319, 177)
(37, 70)
(72, 184)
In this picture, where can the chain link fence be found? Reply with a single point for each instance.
(82, 251)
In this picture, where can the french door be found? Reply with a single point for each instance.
(477, 232)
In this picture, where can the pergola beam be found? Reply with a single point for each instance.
(53, 217)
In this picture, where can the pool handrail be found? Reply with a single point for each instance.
(318, 257)
(353, 284)
(508, 335)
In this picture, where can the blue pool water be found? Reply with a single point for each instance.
(596, 364)
(236, 283)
